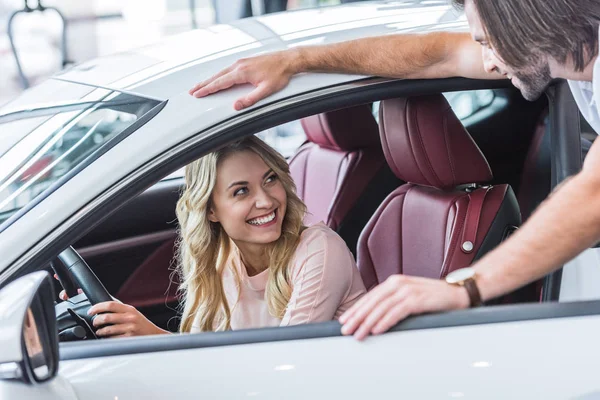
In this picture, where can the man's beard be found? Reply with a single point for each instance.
(533, 83)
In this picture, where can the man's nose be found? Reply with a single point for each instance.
(489, 63)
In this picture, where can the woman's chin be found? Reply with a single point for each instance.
(268, 235)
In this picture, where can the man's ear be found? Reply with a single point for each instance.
(212, 217)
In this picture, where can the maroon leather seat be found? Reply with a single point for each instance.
(342, 157)
(422, 228)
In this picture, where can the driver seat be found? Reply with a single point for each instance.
(422, 228)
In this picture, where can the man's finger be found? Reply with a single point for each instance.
(377, 291)
(222, 83)
(371, 300)
(375, 315)
(391, 318)
(219, 74)
(253, 97)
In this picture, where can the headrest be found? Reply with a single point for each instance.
(345, 129)
(425, 143)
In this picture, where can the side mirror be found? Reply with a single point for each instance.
(31, 340)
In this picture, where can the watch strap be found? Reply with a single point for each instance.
(473, 291)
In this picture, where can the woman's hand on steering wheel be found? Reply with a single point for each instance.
(115, 319)
(63, 294)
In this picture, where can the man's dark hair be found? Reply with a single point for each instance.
(520, 29)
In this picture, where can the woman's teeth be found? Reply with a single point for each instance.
(263, 220)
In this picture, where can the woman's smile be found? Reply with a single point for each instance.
(264, 220)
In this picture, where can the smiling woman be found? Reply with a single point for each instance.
(246, 259)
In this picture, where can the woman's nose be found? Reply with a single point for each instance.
(263, 199)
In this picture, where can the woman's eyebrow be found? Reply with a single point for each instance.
(267, 173)
(240, 183)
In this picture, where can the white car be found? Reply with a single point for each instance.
(90, 165)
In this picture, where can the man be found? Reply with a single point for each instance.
(529, 42)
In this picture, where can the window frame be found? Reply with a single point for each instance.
(248, 123)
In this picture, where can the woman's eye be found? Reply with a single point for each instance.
(271, 178)
(240, 191)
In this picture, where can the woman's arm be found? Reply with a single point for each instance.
(325, 280)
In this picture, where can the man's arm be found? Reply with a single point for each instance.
(433, 55)
(564, 225)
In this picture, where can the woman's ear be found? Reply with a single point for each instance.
(212, 217)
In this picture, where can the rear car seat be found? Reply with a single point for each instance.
(341, 173)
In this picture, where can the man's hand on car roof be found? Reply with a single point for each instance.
(267, 73)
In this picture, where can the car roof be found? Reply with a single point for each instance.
(170, 67)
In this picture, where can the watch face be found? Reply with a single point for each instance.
(460, 275)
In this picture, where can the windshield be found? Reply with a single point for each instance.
(53, 129)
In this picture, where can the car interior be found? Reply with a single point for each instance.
(417, 185)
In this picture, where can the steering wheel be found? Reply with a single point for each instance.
(73, 272)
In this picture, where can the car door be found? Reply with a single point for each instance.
(492, 353)
(422, 359)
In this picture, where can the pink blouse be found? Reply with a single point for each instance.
(325, 283)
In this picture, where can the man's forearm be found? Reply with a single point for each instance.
(394, 56)
(567, 223)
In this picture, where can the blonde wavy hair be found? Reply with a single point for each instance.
(204, 247)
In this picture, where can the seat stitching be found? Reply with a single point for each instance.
(384, 140)
(308, 154)
(455, 236)
(411, 151)
(427, 161)
(446, 141)
(371, 228)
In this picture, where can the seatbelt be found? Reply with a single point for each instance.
(469, 235)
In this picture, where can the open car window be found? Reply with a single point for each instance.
(44, 141)
(285, 138)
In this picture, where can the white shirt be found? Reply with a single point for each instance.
(587, 97)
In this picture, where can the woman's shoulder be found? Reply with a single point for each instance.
(320, 249)
(319, 236)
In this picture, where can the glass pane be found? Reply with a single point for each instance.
(285, 138)
(48, 141)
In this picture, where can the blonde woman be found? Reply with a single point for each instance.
(245, 258)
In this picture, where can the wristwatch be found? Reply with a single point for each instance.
(466, 277)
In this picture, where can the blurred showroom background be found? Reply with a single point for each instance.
(100, 27)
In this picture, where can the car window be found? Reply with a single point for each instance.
(467, 103)
(464, 103)
(47, 140)
(285, 138)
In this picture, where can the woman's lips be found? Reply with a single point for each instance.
(270, 223)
